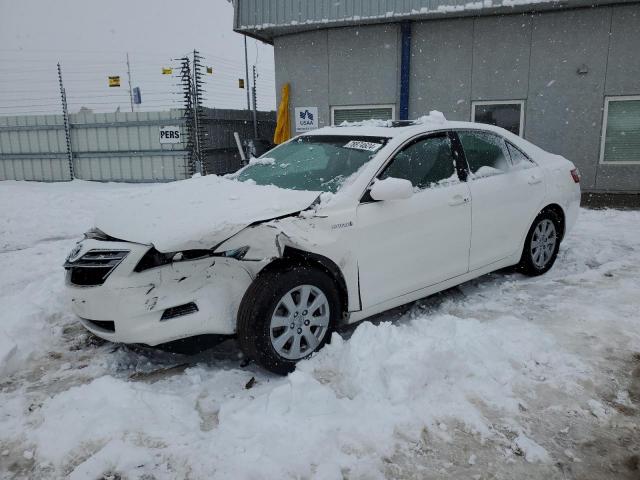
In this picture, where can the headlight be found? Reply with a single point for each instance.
(237, 253)
(154, 258)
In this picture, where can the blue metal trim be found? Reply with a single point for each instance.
(405, 70)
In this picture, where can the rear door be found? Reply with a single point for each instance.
(409, 244)
(506, 195)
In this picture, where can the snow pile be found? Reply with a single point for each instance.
(50, 218)
(531, 450)
(494, 376)
(374, 122)
(48, 212)
(434, 116)
(262, 161)
(350, 401)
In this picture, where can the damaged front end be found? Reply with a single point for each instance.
(140, 294)
(149, 297)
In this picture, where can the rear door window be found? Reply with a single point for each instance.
(485, 152)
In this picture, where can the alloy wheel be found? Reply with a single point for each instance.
(299, 322)
(543, 243)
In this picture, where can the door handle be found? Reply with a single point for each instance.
(458, 200)
(534, 179)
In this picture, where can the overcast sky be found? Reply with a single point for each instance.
(90, 38)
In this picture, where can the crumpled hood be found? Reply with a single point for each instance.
(200, 212)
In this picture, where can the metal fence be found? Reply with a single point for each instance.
(33, 148)
(220, 151)
(118, 146)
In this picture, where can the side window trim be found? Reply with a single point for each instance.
(462, 167)
(527, 157)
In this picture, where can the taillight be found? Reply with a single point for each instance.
(575, 174)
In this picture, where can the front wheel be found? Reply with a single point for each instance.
(541, 245)
(286, 315)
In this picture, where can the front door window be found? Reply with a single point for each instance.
(426, 163)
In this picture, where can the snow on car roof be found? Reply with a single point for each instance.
(435, 120)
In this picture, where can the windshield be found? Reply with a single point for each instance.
(313, 162)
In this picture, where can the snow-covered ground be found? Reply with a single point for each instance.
(504, 377)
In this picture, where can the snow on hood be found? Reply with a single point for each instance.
(197, 213)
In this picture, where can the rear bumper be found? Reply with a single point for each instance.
(135, 302)
(572, 208)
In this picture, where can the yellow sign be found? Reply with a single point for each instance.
(210, 70)
(114, 81)
(241, 83)
(167, 71)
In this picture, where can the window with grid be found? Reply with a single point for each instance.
(621, 131)
(359, 114)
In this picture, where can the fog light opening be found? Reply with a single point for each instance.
(179, 311)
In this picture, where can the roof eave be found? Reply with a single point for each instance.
(266, 33)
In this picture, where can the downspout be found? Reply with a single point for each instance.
(405, 69)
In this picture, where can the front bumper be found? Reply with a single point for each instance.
(136, 301)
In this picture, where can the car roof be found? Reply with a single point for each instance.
(435, 121)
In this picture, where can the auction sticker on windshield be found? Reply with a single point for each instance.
(360, 145)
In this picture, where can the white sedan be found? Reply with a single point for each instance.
(329, 228)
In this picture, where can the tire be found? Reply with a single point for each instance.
(537, 258)
(275, 336)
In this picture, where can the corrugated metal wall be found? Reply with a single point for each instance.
(33, 148)
(126, 147)
(120, 147)
(105, 147)
(537, 59)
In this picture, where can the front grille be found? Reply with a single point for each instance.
(101, 325)
(94, 267)
(179, 311)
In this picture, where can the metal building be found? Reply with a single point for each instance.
(563, 74)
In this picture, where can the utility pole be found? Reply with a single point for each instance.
(198, 111)
(129, 77)
(65, 116)
(255, 102)
(246, 73)
(188, 115)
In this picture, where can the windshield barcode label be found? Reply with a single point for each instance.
(359, 145)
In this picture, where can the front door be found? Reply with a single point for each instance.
(405, 245)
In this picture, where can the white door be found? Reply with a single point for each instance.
(405, 245)
(505, 195)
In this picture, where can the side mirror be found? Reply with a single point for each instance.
(391, 189)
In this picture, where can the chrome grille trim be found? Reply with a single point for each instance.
(93, 268)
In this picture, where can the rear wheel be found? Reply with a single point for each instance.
(286, 315)
(541, 245)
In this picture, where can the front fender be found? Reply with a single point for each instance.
(268, 242)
